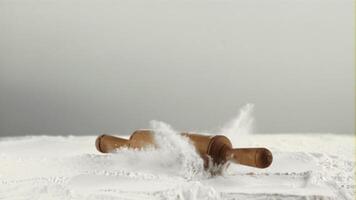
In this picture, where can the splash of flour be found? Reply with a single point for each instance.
(175, 155)
(179, 150)
(241, 127)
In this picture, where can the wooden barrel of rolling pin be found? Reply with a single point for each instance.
(217, 147)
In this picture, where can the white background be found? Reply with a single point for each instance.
(85, 67)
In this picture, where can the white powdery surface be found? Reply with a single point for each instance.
(305, 166)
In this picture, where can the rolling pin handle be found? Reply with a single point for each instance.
(254, 157)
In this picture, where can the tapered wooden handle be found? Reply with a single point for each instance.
(254, 157)
(108, 143)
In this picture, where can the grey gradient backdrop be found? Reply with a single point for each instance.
(91, 66)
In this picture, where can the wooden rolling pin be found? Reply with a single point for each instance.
(218, 148)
